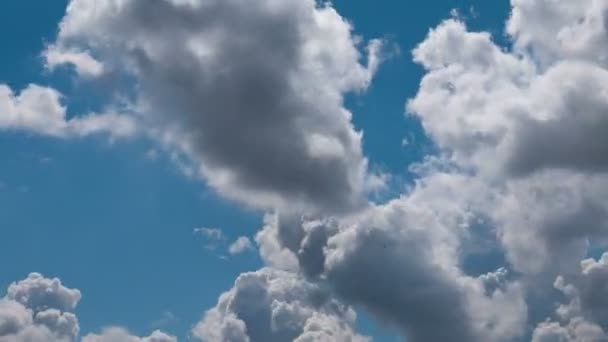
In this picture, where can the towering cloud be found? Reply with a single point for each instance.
(252, 91)
(272, 305)
(584, 317)
(39, 309)
(39, 110)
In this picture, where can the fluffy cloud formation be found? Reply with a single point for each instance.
(400, 261)
(585, 316)
(530, 122)
(82, 62)
(240, 245)
(39, 309)
(40, 293)
(122, 335)
(273, 305)
(257, 102)
(523, 155)
(39, 110)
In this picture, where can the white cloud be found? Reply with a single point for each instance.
(257, 104)
(122, 335)
(529, 122)
(85, 65)
(262, 116)
(272, 305)
(240, 245)
(38, 110)
(522, 146)
(212, 234)
(39, 309)
(584, 317)
(41, 293)
(213, 237)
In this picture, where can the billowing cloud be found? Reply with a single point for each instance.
(252, 92)
(273, 305)
(122, 335)
(584, 317)
(41, 293)
(39, 110)
(530, 122)
(400, 261)
(257, 102)
(82, 62)
(240, 245)
(39, 309)
(522, 148)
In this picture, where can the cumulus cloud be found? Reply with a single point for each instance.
(257, 103)
(42, 293)
(40, 309)
(584, 317)
(39, 110)
(530, 122)
(400, 261)
(273, 305)
(240, 245)
(575, 331)
(522, 146)
(122, 335)
(83, 63)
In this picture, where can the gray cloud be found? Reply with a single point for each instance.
(273, 305)
(584, 317)
(39, 309)
(258, 102)
(400, 261)
(529, 122)
(122, 335)
(40, 293)
(240, 245)
(39, 110)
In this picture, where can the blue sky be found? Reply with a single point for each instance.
(119, 226)
(117, 218)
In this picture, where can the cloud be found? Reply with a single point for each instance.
(258, 104)
(240, 245)
(122, 335)
(555, 30)
(214, 237)
(522, 148)
(529, 122)
(41, 293)
(39, 309)
(38, 110)
(257, 107)
(576, 331)
(273, 305)
(400, 261)
(85, 65)
(212, 234)
(584, 317)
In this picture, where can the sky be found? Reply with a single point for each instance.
(230, 170)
